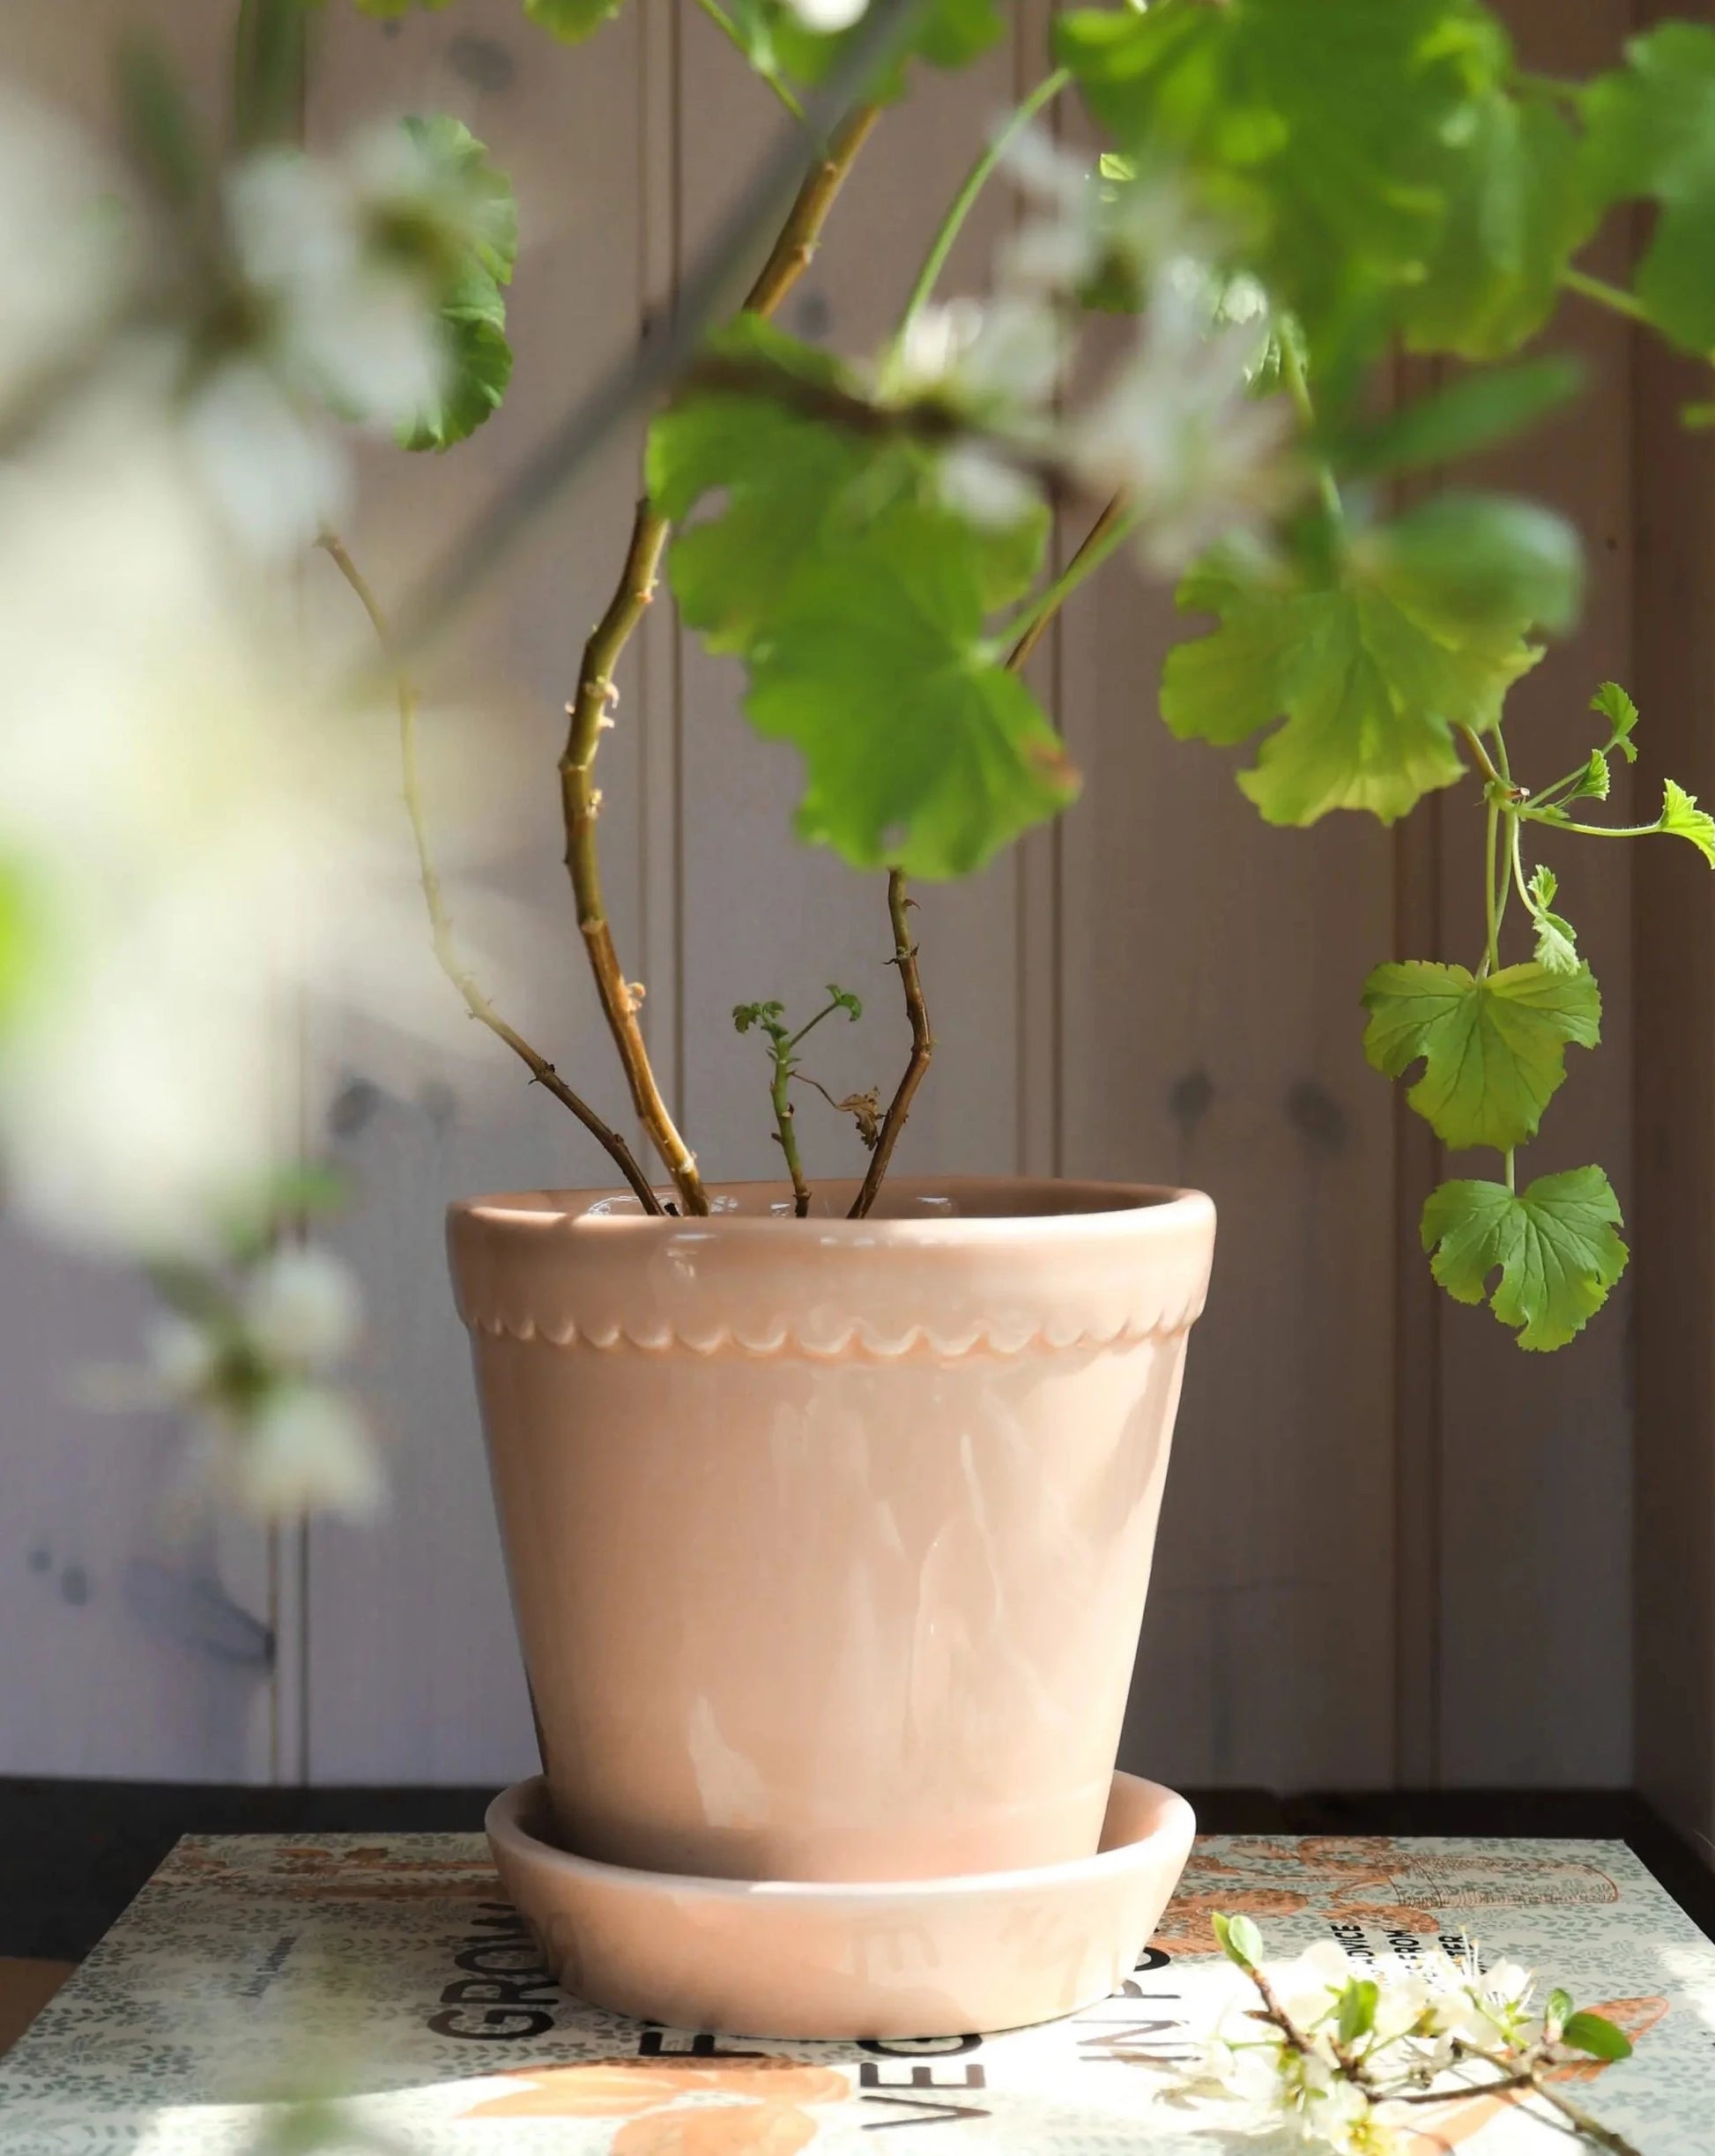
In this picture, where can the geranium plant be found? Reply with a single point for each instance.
(1283, 195)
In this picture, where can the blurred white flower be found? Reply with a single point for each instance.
(270, 463)
(984, 487)
(307, 1449)
(182, 1358)
(1177, 428)
(204, 828)
(828, 16)
(348, 322)
(300, 1305)
(63, 260)
(1001, 360)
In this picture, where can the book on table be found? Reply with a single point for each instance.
(389, 1973)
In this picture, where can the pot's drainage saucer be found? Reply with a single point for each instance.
(808, 1959)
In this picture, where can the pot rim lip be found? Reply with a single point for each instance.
(506, 1818)
(1138, 1209)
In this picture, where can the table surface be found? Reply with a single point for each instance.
(74, 1854)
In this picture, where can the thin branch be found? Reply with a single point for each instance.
(795, 250)
(976, 180)
(589, 712)
(476, 554)
(1615, 298)
(922, 1045)
(785, 1132)
(440, 934)
(1111, 528)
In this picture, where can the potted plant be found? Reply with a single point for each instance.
(912, 1433)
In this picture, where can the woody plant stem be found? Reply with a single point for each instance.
(589, 711)
(1104, 535)
(440, 936)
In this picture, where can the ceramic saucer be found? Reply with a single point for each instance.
(792, 1958)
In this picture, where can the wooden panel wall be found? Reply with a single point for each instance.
(1673, 956)
(1393, 1547)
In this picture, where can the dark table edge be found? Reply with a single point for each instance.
(74, 1853)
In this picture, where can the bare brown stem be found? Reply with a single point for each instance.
(440, 934)
(1115, 513)
(795, 250)
(922, 1045)
(589, 712)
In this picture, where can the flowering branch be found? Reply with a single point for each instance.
(1351, 2051)
(440, 936)
(589, 712)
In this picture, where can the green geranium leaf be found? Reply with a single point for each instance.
(1555, 1245)
(1517, 210)
(920, 751)
(571, 20)
(479, 366)
(1597, 781)
(1421, 629)
(1557, 939)
(476, 242)
(795, 491)
(1652, 136)
(477, 221)
(860, 604)
(1681, 818)
(1485, 563)
(1596, 2035)
(1611, 703)
(1471, 413)
(1324, 136)
(1493, 1050)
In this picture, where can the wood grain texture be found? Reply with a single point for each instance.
(764, 916)
(1534, 1450)
(26, 1987)
(1674, 1066)
(1393, 1547)
(411, 1670)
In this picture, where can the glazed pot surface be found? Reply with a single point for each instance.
(829, 1540)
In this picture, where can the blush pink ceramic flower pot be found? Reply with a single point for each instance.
(830, 1539)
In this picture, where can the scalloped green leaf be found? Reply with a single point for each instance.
(1329, 137)
(1420, 629)
(480, 234)
(1517, 208)
(1651, 137)
(1681, 818)
(571, 21)
(1554, 1246)
(1493, 1049)
(860, 604)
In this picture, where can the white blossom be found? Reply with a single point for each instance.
(984, 487)
(204, 828)
(827, 17)
(307, 1449)
(348, 323)
(300, 1305)
(270, 463)
(1177, 428)
(63, 261)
